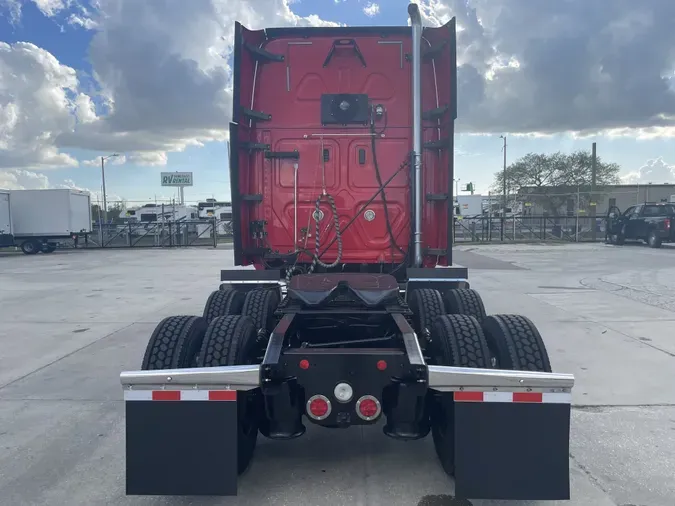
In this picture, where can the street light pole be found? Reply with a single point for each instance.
(105, 202)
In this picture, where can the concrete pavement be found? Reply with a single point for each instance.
(72, 321)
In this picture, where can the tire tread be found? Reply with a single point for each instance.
(518, 343)
(167, 346)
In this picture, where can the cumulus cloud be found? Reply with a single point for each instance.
(562, 66)
(372, 9)
(19, 179)
(654, 171)
(38, 101)
(161, 72)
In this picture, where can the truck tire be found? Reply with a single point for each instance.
(260, 305)
(175, 343)
(223, 302)
(464, 301)
(231, 340)
(516, 343)
(31, 247)
(654, 239)
(426, 304)
(456, 340)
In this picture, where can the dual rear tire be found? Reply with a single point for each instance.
(228, 333)
(458, 333)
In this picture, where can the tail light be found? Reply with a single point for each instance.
(368, 408)
(318, 407)
(666, 223)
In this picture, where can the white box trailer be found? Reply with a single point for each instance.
(469, 205)
(6, 232)
(41, 217)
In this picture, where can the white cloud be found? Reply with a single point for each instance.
(36, 106)
(574, 66)
(82, 21)
(162, 80)
(51, 7)
(654, 171)
(149, 158)
(113, 160)
(371, 10)
(18, 179)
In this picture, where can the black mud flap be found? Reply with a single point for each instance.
(175, 447)
(512, 450)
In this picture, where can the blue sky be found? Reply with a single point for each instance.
(87, 54)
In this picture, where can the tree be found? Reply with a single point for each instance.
(550, 179)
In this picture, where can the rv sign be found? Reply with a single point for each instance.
(176, 178)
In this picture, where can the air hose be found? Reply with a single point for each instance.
(338, 234)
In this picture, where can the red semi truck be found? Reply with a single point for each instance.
(341, 168)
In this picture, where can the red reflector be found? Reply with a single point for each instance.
(368, 408)
(318, 407)
(381, 365)
(469, 396)
(222, 395)
(527, 396)
(166, 395)
(304, 364)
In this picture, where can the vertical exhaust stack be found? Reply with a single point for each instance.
(416, 19)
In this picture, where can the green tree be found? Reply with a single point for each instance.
(549, 180)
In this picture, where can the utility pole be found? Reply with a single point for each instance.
(504, 189)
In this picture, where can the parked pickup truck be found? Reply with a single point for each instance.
(652, 223)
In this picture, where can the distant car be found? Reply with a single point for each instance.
(651, 223)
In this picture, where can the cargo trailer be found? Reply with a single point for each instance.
(41, 218)
(6, 233)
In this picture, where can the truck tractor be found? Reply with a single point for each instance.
(344, 307)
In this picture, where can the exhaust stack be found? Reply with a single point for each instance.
(416, 19)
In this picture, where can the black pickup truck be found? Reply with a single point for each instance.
(652, 223)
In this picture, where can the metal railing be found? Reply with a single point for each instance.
(529, 228)
(161, 234)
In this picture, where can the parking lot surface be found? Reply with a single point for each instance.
(70, 322)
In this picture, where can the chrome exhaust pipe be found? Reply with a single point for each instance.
(416, 20)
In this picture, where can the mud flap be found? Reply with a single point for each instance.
(181, 448)
(512, 450)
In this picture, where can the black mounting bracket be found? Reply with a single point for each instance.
(340, 43)
(439, 144)
(294, 155)
(254, 146)
(435, 114)
(261, 55)
(258, 115)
